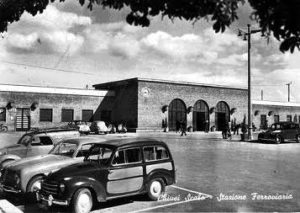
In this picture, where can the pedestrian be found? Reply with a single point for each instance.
(183, 127)
(206, 126)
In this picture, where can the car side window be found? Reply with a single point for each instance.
(127, 156)
(152, 153)
(84, 150)
(41, 141)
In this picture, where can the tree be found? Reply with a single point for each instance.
(279, 18)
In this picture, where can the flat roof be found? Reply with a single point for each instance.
(275, 103)
(112, 84)
(54, 90)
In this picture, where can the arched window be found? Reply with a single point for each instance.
(222, 115)
(177, 113)
(200, 116)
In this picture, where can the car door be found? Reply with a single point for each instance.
(126, 172)
(40, 145)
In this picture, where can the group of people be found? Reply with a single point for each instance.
(181, 127)
(235, 128)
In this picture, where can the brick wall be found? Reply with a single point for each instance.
(282, 111)
(51, 101)
(150, 103)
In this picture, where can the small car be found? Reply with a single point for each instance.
(82, 126)
(99, 127)
(111, 169)
(35, 143)
(25, 175)
(281, 132)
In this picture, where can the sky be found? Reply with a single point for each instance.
(69, 46)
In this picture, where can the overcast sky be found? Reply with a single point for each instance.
(69, 46)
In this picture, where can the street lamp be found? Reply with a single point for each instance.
(247, 36)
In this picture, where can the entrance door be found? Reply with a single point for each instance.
(177, 113)
(200, 118)
(221, 121)
(23, 119)
(222, 115)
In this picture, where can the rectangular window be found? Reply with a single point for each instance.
(263, 122)
(46, 115)
(2, 114)
(155, 153)
(276, 118)
(67, 115)
(288, 118)
(127, 156)
(87, 115)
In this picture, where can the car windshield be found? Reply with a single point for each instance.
(65, 148)
(276, 127)
(99, 153)
(25, 140)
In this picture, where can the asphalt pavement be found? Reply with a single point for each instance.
(217, 175)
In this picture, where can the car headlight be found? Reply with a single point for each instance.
(62, 187)
(17, 179)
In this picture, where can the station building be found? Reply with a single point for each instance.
(141, 104)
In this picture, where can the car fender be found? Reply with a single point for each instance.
(8, 157)
(168, 176)
(95, 186)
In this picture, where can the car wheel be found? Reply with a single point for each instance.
(298, 138)
(82, 201)
(278, 139)
(155, 189)
(34, 184)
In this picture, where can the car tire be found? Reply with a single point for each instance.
(34, 184)
(155, 188)
(278, 139)
(82, 201)
(298, 138)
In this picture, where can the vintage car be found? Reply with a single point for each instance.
(82, 126)
(25, 175)
(112, 169)
(99, 127)
(35, 143)
(280, 132)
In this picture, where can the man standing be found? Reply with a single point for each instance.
(183, 127)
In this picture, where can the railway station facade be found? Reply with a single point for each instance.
(141, 104)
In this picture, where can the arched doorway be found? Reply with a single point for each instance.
(222, 115)
(177, 112)
(200, 115)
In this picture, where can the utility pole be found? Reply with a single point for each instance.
(289, 92)
(262, 95)
(247, 36)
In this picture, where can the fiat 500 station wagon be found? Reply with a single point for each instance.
(112, 169)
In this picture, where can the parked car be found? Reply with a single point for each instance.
(82, 126)
(115, 168)
(99, 127)
(34, 143)
(25, 175)
(281, 132)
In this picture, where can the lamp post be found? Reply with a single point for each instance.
(289, 84)
(247, 36)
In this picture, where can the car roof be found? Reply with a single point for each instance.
(132, 141)
(84, 140)
(50, 130)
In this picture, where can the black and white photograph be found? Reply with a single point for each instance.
(139, 106)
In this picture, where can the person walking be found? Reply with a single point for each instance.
(183, 127)
(206, 126)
